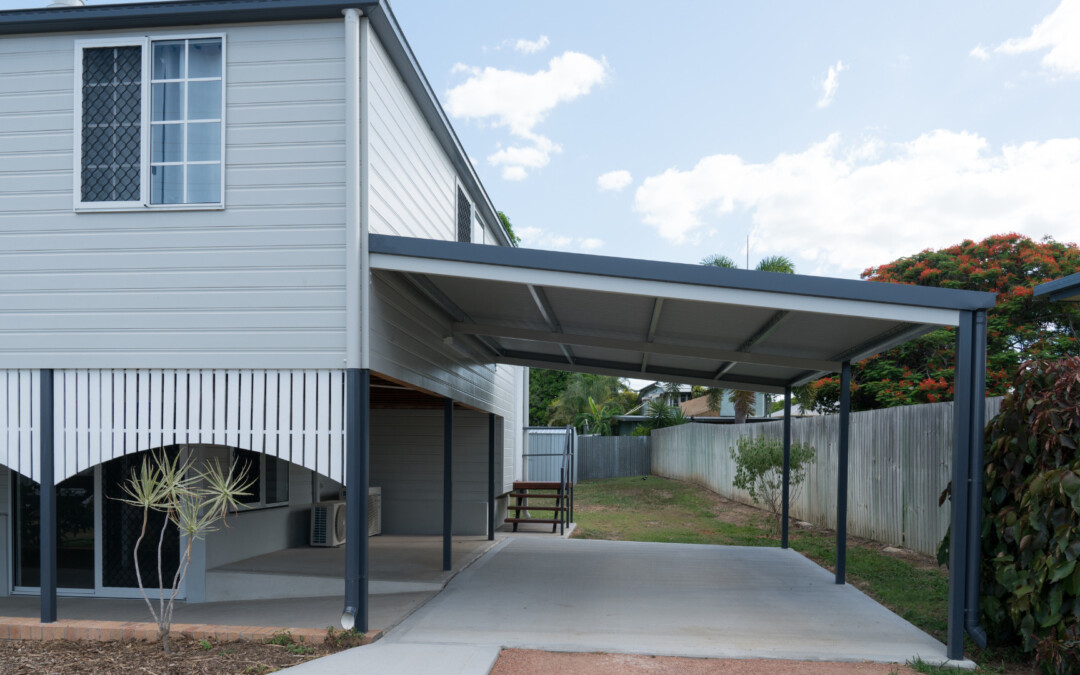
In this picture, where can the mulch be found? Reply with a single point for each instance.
(188, 657)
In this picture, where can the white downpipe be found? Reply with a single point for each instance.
(365, 201)
(355, 235)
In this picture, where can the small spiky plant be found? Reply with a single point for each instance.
(195, 500)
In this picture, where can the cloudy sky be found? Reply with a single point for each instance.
(840, 134)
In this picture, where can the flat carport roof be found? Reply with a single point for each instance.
(741, 329)
(738, 329)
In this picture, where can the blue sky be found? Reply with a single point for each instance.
(842, 134)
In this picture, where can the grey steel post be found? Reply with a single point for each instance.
(786, 496)
(977, 472)
(357, 459)
(448, 481)
(844, 442)
(491, 477)
(958, 537)
(48, 502)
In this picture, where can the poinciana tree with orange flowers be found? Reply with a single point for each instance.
(1019, 327)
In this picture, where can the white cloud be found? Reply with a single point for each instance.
(520, 101)
(979, 52)
(535, 237)
(848, 206)
(614, 180)
(514, 173)
(830, 84)
(1060, 33)
(532, 46)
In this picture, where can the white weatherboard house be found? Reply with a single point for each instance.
(247, 228)
(186, 191)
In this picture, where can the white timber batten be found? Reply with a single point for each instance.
(663, 289)
(296, 415)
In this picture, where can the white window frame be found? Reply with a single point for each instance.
(144, 202)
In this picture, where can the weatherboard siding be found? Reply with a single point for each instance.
(258, 284)
(412, 182)
(407, 464)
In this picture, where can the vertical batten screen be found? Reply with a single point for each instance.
(112, 124)
(103, 414)
(464, 217)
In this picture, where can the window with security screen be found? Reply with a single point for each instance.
(151, 124)
(464, 217)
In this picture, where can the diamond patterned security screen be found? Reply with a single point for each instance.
(121, 524)
(464, 218)
(112, 124)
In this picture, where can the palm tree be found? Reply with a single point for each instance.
(580, 389)
(744, 400)
(597, 419)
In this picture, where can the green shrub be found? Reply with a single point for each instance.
(1031, 529)
(759, 469)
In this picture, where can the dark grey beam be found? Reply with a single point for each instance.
(625, 344)
(977, 470)
(491, 476)
(47, 520)
(548, 313)
(650, 335)
(786, 480)
(443, 302)
(844, 440)
(619, 368)
(448, 482)
(958, 535)
(357, 477)
(766, 329)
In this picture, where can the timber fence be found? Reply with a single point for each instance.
(900, 461)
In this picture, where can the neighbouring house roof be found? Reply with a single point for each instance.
(215, 12)
(691, 324)
(1065, 289)
(698, 407)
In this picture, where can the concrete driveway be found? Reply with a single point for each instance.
(666, 599)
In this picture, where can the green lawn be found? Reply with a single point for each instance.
(657, 509)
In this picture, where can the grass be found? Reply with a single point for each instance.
(661, 510)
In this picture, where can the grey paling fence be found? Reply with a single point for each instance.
(613, 457)
(544, 451)
(900, 462)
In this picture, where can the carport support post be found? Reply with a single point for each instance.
(357, 457)
(786, 496)
(977, 469)
(448, 481)
(958, 535)
(47, 522)
(842, 471)
(491, 477)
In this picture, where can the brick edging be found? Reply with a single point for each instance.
(22, 628)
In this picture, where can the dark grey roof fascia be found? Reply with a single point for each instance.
(160, 14)
(699, 275)
(205, 12)
(1059, 289)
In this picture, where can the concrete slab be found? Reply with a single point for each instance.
(399, 564)
(318, 612)
(666, 599)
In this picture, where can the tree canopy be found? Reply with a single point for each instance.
(544, 387)
(1020, 327)
(589, 398)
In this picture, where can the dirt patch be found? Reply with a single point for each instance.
(521, 661)
(189, 657)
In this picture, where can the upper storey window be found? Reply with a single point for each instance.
(150, 119)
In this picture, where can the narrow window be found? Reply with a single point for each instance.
(185, 122)
(464, 217)
(112, 124)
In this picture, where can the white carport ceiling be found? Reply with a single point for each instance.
(739, 329)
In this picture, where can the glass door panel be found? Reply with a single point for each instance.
(74, 532)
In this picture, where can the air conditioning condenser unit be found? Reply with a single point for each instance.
(328, 519)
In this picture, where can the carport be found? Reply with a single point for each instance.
(735, 329)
